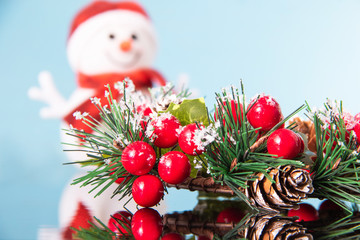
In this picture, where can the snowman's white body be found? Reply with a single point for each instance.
(97, 47)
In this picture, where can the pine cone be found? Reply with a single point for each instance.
(290, 187)
(307, 128)
(270, 227)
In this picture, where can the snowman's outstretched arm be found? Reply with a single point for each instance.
(58, 107)
(47, 92)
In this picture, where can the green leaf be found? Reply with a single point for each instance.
(194, 171)
(190, 111)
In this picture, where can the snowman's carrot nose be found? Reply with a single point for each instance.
(125, 45)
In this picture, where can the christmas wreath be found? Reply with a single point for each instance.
(147, 143)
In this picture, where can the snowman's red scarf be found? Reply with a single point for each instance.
(142, 79)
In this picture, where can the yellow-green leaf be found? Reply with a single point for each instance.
(190, 111)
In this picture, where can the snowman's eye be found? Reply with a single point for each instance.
(134, 36)
(111, 36)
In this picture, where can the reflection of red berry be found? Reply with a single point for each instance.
(202, 238)
(284, 143)
(174, 167)
(187, 141)
(165, 130)
(306, 213)
(265, 113)
(329, 210)
(230, 215)
(138, 158)
(236, 112)
(122, 216)
(146, 224)
(172, 236)
(328, 205)
(147, 190)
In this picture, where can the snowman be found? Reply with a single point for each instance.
(108, 41)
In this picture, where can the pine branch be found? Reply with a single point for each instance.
(205, 184)
(336, 166)
(235, 155)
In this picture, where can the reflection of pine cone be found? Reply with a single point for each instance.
(290, 187)
(307, 128)
(269, 227)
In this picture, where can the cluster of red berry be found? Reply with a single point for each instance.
(173, 167)
(264, 113)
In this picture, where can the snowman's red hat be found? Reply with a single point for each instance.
(102, 13)
(98, 7)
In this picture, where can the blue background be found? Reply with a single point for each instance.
(293, 50)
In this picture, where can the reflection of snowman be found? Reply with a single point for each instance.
(108, 41)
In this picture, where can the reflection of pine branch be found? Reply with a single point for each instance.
(345, 229)
(187, 223)
(257, 227)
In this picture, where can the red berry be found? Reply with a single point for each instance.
(121, 178)
(147, 190)
(357, 117)
(284, 143)
(174, 167)
(165, 130)
(123, 217)
(236, 112)
(143, 125)
(265, 113)
(230, 215)
(301, 143)
(138, 158)
(146, 224)
(357, 127)
(357, 132)
(306, 213)
(187, 142)
(172, 236)
(144, 109)
(336, 134)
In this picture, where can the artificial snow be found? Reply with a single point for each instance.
(95, 100)
(79, 116)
